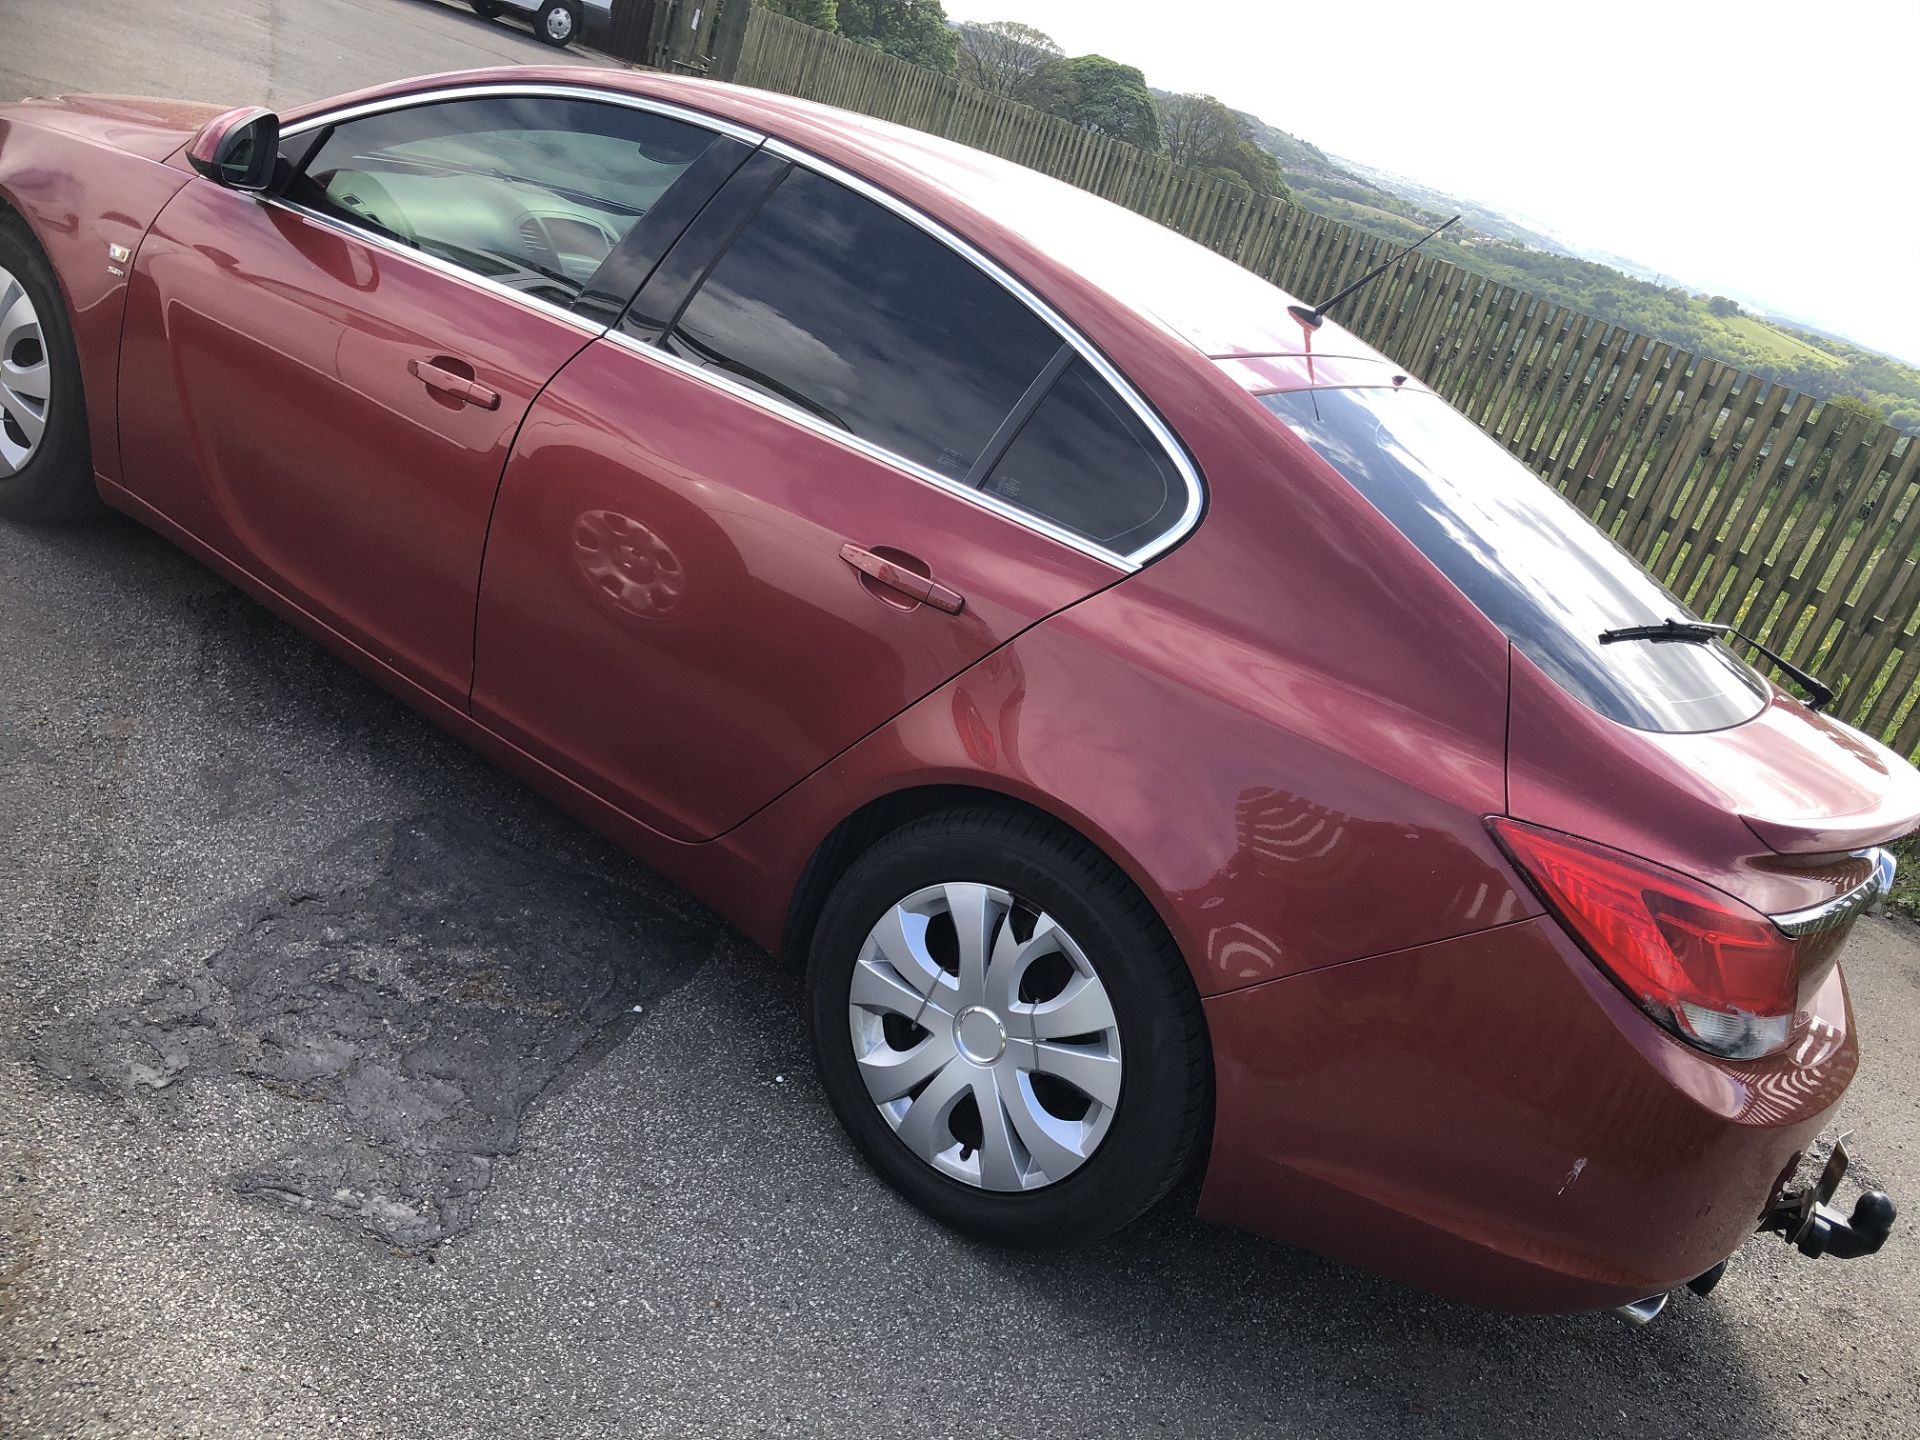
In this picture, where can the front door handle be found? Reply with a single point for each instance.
(897, 576)
(454, 378)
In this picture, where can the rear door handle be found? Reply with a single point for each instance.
(454, 378)
(896, 576)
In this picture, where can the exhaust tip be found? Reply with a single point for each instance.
(1642, 1312)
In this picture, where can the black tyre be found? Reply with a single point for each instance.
(558, 22)
(46, 464)
(1006, 1029)
(486, 9)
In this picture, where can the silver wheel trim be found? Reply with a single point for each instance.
(978, 1039)
(560, 24)
(26, 379)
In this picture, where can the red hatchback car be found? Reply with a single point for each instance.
(1172, 737)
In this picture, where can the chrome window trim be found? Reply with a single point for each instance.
(912, 470)
(441, 267)
(1832, 914)
(1169, 442)
(1085, 349)
(509, 90)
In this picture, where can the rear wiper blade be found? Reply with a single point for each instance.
(1699, 632)
(1689, 631)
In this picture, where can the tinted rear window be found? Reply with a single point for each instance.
(1536, 566)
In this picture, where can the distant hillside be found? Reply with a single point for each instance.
(1609, 287)
(1488, 222)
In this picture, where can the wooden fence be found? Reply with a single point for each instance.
(1754, 503)
(696, 37)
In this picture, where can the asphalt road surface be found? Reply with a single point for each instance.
(347, 1088)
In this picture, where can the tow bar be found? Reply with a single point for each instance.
(1809, 1223)
(1814, 1227)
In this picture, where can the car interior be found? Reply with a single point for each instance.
(536, 208)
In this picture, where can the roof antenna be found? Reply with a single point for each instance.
(1312, 316)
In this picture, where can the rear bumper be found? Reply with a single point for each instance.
(1490, 1119)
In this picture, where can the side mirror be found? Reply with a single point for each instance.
(239, 149)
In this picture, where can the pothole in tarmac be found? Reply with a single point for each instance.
(372, 1030)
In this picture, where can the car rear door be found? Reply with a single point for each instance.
(776, 505)
(323, 386)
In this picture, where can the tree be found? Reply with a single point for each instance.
(1259, 169)
(1197, 129)
(1101, 95)
(818, 13)
(1854, 405)
(1005, 57)
(911, 30)
(1201, 132)
(1723, 307)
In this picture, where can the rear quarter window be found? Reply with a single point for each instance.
(1085, 461)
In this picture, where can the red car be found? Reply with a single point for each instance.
(1174, 740)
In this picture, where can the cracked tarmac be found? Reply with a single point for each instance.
(407, 992)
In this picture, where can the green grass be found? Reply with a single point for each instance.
(1905, 896)
(1396, 227)
(1399, 224)
(1778, 342)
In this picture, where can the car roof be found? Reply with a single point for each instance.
(1208, 301)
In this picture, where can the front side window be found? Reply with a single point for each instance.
(533, 192)
(1532, 563)
(836, 305)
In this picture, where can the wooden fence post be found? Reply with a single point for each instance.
(729, 37)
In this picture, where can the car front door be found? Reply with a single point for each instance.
(784, 500)
(323, 386)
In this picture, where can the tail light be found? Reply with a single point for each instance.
(1714, 971)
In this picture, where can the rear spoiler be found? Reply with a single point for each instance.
(1895, 818)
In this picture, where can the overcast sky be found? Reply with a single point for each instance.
(1764, 147)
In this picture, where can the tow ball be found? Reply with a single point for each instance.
(1813, 1227)
(1809, 1223)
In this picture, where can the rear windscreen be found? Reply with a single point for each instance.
(1535, 565)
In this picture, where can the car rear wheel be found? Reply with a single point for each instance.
(46, 468)
(1006, 1029)
(558, 22)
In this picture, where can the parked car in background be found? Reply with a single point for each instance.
(1173, 739)
(557, 22)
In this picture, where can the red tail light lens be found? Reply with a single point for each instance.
(1714, 971)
